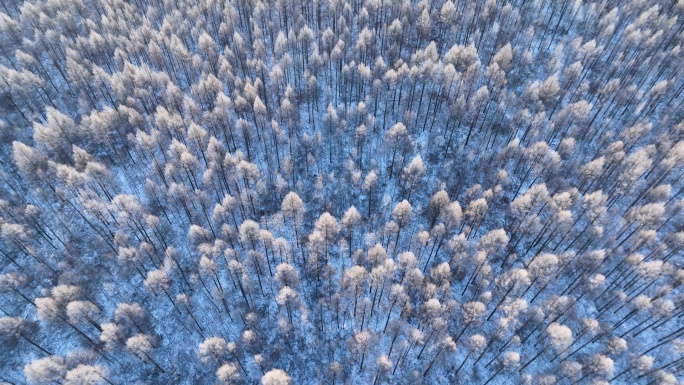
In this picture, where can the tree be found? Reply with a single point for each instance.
(513, 279)
(541, 267)
(327, 225)
(376, 255)
(159, 281)
(288, 298)
(45, 370)
(293, 208)
(600, 366)
(58, 135)
(559, 337)
(475, 343)
(212, 350)
(228, 373)
(110, 335)
(476, 211)
(11, 328)
(83, 311)
(451, 216)
(384, 365)
(249, 234)
(86, 375)
(511, 360)
(349, 221)
(437, 203)
(354, 279)
(330, 120)
(548, 89)
(413, 173)
(286, 275)
(141, 346)
(276, 377)
(359, 345)
(129, 312)
(401, 216)
(471, 313)
(398, 137)
(12, 282)
(368, 184)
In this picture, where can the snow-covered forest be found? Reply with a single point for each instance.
(341, 192)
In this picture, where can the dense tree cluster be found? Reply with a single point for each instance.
(341, 191)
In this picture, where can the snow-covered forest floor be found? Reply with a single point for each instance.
(341, 192)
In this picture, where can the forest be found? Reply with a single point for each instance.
(285, 192)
